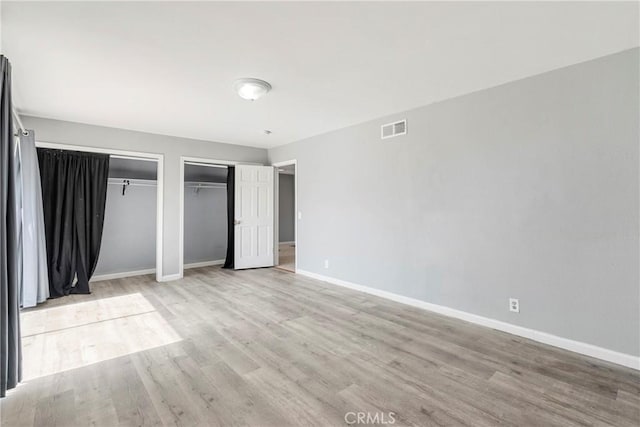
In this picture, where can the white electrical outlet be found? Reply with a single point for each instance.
(299, 215)
(326, 263)
(514, 305)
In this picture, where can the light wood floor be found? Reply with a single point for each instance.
(287, 257)
(269, 348)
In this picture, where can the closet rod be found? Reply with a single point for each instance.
(207, 186)
(16, 117)
(132, 182)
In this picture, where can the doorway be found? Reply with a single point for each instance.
(129, 235)
(287, 212)
(250, 225)
(205, 214)
(196, 173)
(158, 159)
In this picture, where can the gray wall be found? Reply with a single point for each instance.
(171, 147)
(129, 233)
(526, 190)
(205, 225)
(286, 208)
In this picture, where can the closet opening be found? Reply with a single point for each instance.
(130, 231)
(204, 219)
(286, 222)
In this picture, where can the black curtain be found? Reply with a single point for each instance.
(231, 212)
(74, 192)
(10, 241)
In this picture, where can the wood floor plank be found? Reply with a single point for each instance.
(269, 348)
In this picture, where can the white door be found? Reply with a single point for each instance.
(254, 218)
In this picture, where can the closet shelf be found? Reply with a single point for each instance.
(199, 185)
(133, 182)
(153, 183)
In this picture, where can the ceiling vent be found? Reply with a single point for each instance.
(394, 129)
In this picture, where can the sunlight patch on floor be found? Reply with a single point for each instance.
(75, 335)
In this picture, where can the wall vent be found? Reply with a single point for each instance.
(394, 129)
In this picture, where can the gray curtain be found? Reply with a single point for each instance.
(35, 277)
(10, 260)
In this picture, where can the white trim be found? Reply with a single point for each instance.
(287, 243)
(276, 216)
(203, 161)
(296, 238)
(543, 337)
(124, 274)
(170, 277)
(206, 165)
(144, 159)
(159, 191)
(160, 218)
(203, 264)
(125, 153)
(111, 276)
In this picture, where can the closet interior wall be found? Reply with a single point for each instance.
(129, 234)
(205, 214)
(286, 206)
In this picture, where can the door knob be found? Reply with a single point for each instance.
(236, 221)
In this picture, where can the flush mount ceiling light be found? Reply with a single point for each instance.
(251, 89)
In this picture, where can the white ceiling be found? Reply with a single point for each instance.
(168, 67)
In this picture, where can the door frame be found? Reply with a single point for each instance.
(184, 160)
(276, 239)
(156, 157)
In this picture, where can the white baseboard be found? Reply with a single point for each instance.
(121, 275)
(543, 337)
(170, 277)
(204, 264)
(287, 243)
